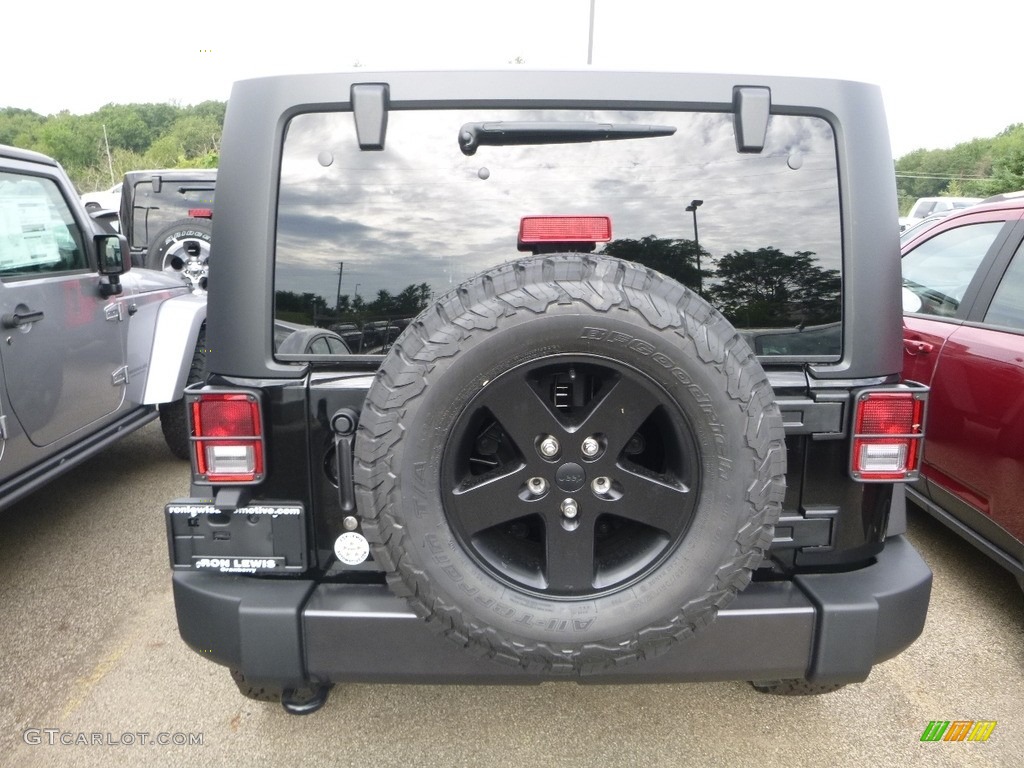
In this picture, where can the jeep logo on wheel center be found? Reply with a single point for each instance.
(570, 477)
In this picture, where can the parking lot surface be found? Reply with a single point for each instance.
(93, 672)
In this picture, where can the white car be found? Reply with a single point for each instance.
(931, 206)
(106, 199)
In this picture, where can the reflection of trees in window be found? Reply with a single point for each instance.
(767, 288)
(311, 309)
(675, 258)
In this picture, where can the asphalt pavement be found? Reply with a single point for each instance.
(93, 672)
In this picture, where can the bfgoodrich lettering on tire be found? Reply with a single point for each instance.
(569, 462)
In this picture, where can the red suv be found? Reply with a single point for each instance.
(963, 334)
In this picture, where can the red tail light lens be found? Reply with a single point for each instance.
(539, 230)
(888, 431)
(201, 213)
(227, 435)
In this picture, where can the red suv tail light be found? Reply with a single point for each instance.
(888, 432)
(227, 437)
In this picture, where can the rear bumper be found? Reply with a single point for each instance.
(827, 628)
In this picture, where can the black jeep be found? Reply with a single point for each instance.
(608, 448)
(166, 217)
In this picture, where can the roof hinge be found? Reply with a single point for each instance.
(751, 107)
(370, 102)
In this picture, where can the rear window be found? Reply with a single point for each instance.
(366, 239)
(154, 211)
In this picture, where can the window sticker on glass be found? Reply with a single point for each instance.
(28, 236)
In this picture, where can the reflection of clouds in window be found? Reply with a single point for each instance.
(420, 212)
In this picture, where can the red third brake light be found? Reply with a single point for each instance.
(887, 435)
(227, 434)
(538, 231)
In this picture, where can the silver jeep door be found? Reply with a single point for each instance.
(60, 340)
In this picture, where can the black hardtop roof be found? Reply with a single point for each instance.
(259, 111)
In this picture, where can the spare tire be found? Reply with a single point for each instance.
(569, 462)
(183, 248)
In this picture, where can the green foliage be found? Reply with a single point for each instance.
(20, 127)
(138, 135)
(674, 258)
(313, 309)
(1007, 162)
(767, 288)
(976, 168)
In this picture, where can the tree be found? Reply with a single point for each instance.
(674, 258)
(767, 288)
(20, 127)
(75, 142)
(125, 128)
(1007, 162)
(196, 136)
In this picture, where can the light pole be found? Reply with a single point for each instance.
(692, 208)
(590, 38)
(337, 300)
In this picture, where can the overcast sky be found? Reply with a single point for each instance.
(944, 68)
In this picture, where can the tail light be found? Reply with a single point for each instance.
(544, 233)
(888, 434)
(201, 213)
(227, 437)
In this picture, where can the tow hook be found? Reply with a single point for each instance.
(305, 701)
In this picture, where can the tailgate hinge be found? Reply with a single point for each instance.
(811, 529)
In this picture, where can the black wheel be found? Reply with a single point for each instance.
(795, 687)
(173, 418)
(569, 462)
(183, 248)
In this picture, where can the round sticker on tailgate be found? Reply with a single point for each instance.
(351, 548)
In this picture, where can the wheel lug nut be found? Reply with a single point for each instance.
(570, 509)
(601, 485)
(591, 447)
(549, 447)
(538, 486)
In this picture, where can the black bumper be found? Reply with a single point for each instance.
(826, 628)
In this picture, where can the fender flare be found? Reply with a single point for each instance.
(174, 342)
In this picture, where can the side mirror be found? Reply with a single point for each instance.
(110, 255)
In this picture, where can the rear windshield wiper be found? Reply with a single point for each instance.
(500, 134)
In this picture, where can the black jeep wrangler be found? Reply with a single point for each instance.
(609, 446)
(166, 217)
